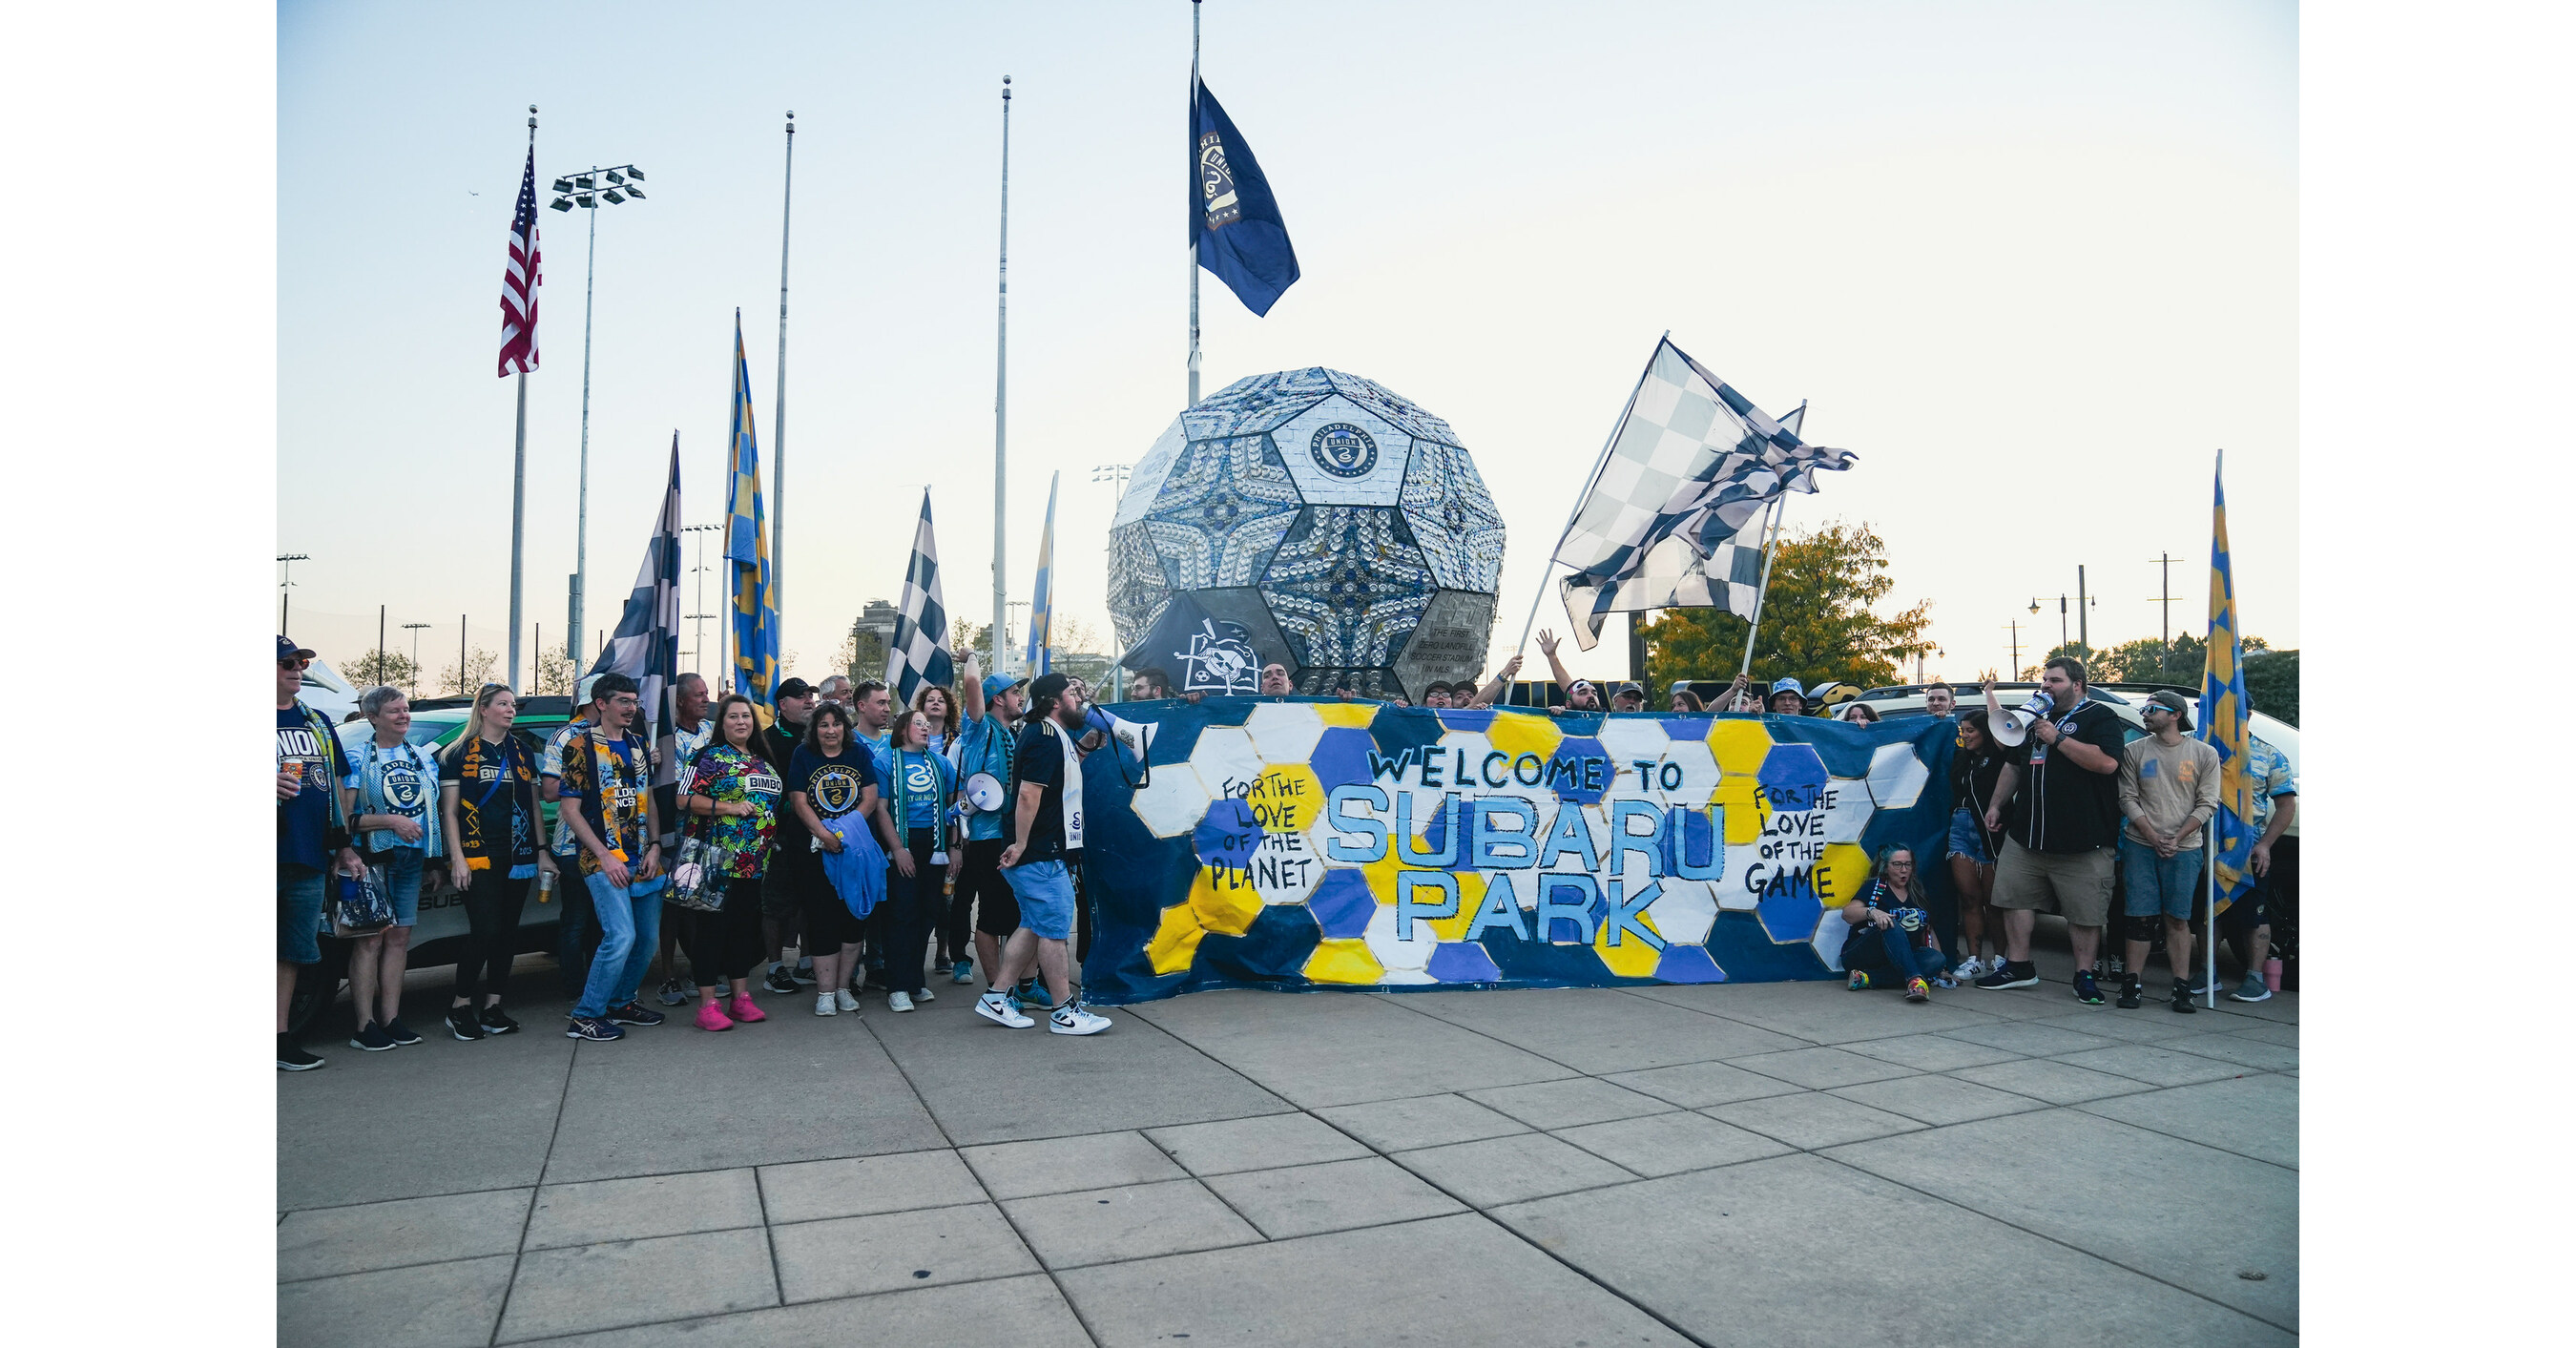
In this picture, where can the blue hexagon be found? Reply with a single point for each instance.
(1460, 962)
(1341, 757)
(1794, 777)
(1581, 770)
(1227, 835)
(1343, 904)
(1685, 964)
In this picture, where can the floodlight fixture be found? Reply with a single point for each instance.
(616, 177)
(635, 173)
(584, 181)
(588, 202)
(561, 203)
(563, 185)
(614, 197)
(634, 193)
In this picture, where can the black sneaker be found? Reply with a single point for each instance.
(496, 1023)
(462, 1024)
(779, 980)
(2182, 998)
(372, 1038)
(633, 1014)
(592, 1028)
(2022, 975)
(2086, 990)
(673, 992)
(803, 973)
(291, 1056)
(400, 1033)
(2130, 995)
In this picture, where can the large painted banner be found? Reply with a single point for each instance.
(1301, 844)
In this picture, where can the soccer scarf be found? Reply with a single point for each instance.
(1072, 786)
(516, 775)
(371, 800)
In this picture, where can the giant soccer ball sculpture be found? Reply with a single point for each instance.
(1343, 526)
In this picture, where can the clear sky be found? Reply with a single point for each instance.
(2033, 262)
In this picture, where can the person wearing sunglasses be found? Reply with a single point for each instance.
(312, 837)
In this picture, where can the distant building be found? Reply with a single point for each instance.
(869, 637)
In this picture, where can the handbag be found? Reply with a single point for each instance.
(698, 880)
(364, 907)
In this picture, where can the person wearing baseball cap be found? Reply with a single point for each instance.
(2168, 790)
(781, 894)
(993, 703)
(1627, 697)
(1043, 839)
(312, 837)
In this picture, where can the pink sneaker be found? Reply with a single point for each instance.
(744, 1012)
(712, 1017)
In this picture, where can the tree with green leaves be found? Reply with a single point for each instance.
(1819, 620)
(389, 668)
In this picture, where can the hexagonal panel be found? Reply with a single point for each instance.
(1628, 740)
(1256, 403)
(1684, 911)
(1226, 761)
(1222, 511)
(1850, 811)
(1284, 732)
(1341, 453)
(1172, 804)
(1896, 776)
(1453, 517)
(1828, 940)
(1448, 644)
(1698, 773)
(1348, 585)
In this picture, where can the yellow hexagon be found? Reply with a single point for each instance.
(1176, 941)
(1471, 897)
(1355, 715)
(1631, 958)
(1738, 746)
(1517, 733)
(1343, 961)
(1839, 876)
(1386, 872)
(1286, 797)
(1224, 900)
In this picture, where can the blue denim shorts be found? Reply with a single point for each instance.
(402, 884)
(2166, 886)
(1968, 837)
(1045, 892)
(299, 914)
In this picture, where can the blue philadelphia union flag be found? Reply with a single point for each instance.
(1234, 221)
(2224, 710)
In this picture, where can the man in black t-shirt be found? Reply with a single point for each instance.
(1042, 841)
(2058, 802)
(790, 850)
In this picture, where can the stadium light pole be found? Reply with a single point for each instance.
(284, 581)
(587, 189)
(1116, 475)
(414, 629)
(698, 640)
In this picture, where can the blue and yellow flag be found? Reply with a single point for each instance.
(2223, 711)
(1042, 604)
(755, 586)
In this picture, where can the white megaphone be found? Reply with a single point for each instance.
(2012, 727)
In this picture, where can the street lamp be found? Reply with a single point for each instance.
(587, 189)
(698, 641)
(414, 629)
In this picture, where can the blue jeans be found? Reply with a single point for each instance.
(299, 913)
(629, 931)
(2159, 885)
(1890, 952)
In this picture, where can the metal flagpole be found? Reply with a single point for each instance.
(1586, 493)
(1779, 507)
(1194, 238)
(519, 473)
(778, 405)
(1001, 397)
(2209, 904)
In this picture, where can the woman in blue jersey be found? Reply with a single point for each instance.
(922, 785)
(1891, 939)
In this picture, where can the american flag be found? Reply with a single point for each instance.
(519, 284)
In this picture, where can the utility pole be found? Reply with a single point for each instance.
(284, 581)
(2083, 628)
(380, 641)
(460, 652)
(414, 629)
(2164, 661)
(2013, 675)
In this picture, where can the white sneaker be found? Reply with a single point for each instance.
(825, 1006)
(1076, 1019)
(995, 1007)
(899, 1001)
(844, 1000)
(1969, 970)
(924, 995)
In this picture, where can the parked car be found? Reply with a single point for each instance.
(440, 936)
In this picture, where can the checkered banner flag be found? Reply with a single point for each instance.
(646, 645)
(1673, 518)
(919, 652)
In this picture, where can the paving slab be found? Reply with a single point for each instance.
(2263, 1031)
(808, 1191)
(2046, 1171)
(1794, 1250)
(1264, 1143)
(2150, 1023)
(514, 1081)
(1818, 1068)
(1423, 1121)
(1307, 1200)
(1448, 1281)
(2033, 1039)
(450, 1305)
(1937, 1100)
(325, 1242)
(2255, 1116)
(1023, 1312)
(1566, 1104)
(1597, 1030)
(632, 1209)
(1703, 1083)
(1511, 1169)
(2051, 1081)
(1811, 1119)
(1796, 1010)
(1666, 1144)
(1343, 1049)
(2239, 1050)
(633, 1282)
(825, 1089)
(1064, 1164)
(1136, 1221)
(853, 1256)
(2152, 1065)
(1929, 1052)
(985, 1083)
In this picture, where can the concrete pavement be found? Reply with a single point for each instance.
(1758, 1164)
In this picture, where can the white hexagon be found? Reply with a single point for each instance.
(1831, 932)
(1286, 867)
(1896, 776)
(1851, 808)
(1742, 860)
(1699, 775)
(1226, 761)
(1630, 740)
(1401, 957)
(1284, 732)
(1174, 802)
(1684, 911)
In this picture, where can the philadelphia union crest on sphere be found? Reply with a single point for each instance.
(1344, 450)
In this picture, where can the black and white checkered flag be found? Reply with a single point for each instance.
(1673, 519)
(919, 653)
